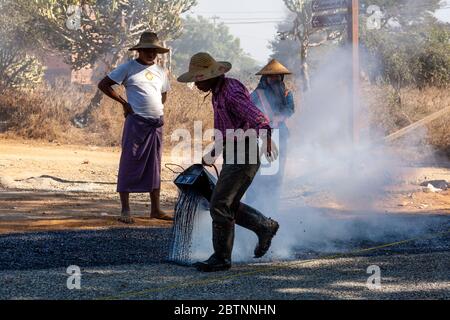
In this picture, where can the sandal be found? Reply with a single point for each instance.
(164, 217)
(126, 220)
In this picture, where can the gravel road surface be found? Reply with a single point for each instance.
(129, 264)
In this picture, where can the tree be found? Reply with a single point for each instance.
(306, 35)
(100, 31)
(17, 68)
(200, 34)
(395, 13)
(404, 12)
(286, 49)
(410, 48)
(434, 59)
(283, 48)
(418, 56)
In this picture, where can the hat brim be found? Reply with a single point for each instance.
(273, 73)
(218, 69)
(158, 49)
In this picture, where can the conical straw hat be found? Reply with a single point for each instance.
(273, 68)
(149, 40)
(203, 67)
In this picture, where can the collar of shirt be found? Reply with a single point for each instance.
(219, 85)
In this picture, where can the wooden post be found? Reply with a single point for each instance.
(353, 31)
(421, 123)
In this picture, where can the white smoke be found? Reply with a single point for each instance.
(324, 161)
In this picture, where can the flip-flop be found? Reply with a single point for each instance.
(126, 220)
(164, 217)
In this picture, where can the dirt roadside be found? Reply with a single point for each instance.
(48, 186)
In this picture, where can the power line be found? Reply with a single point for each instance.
(228, 21)
(245, 22)
(238, 12)
(269, 20)
(281, 12)
(248, 18)
(254, 22)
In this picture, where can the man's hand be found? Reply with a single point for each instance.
(209, 158)
(127, 109)
(205, 163)
(270, 149)
(286, 92)
(277, 120)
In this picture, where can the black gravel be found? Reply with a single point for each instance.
(428, 234)
(143, 246)
(44, 250)
(130, 264)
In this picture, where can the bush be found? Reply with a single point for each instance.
(434, 59)
(43, 113)
(417, 56)
(46, 114)
(389, 116)
(19, 70)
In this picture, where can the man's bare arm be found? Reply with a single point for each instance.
(106, 86)
(164, 98)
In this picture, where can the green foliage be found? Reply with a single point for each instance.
(104, 29)
(404, 12)
(434, 59)
(411, 49)
(417, 56)
(200, 34)
(19, 70)
(287, 50)
(307, 37)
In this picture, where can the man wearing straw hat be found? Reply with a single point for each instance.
(272, 98)
(146, 85)
(233, 111)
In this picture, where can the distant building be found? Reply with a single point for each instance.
(57, 69)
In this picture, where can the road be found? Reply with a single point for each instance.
(129, 264)
(58, 208)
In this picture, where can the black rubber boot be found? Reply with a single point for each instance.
(223, 238)
(265, 228)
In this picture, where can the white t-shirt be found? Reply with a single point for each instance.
(144, 85)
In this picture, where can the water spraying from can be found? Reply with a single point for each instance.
(195, 185)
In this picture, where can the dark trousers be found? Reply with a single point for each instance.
(226, 208)
(234, 180)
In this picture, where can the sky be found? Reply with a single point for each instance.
(264, 14)
(254, 37)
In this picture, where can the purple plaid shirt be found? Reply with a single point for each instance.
(234, 109)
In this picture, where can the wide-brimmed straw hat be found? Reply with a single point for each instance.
(274, 67)
(149, 40)
(203, 67)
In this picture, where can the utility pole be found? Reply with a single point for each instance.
(351, 19)
(353, 32)
(214, 19)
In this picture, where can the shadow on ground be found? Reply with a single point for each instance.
(45, 250)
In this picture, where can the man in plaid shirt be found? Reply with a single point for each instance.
(239, 123)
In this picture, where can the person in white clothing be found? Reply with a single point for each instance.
(147, 85)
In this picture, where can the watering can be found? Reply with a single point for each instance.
(197, 178)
